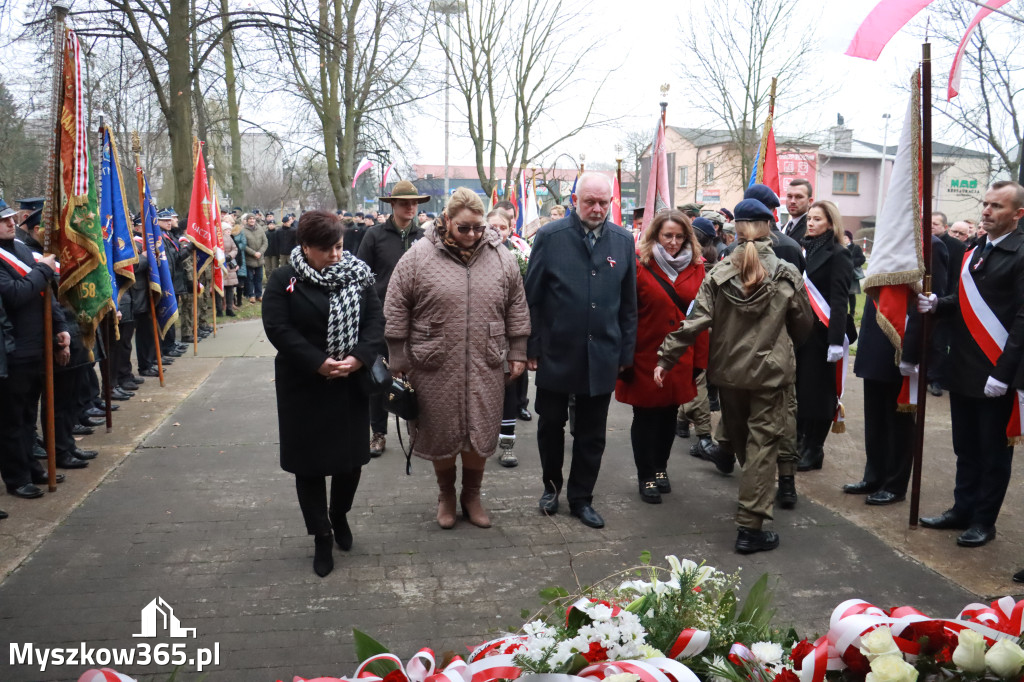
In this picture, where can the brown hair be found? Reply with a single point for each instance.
(800, 182)
(319, 229)
(752, 272)
(463, 198)
(1019, 198)
(835, 218)
(651, 232)
(499, 214)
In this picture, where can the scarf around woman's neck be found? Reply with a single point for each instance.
(815, 244)
(672, 265)
(344, 282)
(460, 252)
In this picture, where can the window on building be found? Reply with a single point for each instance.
(709, 173)
(684, 176)
(845, 183)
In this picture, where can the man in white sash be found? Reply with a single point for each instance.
(988, 344)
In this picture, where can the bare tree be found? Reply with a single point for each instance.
(512, 63)
(356, 73)
(989, 110)
(733, 54)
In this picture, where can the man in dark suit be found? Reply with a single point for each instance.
(988, 343)
(799, 197)
(581, 288)
(941, 332)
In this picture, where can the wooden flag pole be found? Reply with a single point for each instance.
(195, 275)
(926, 252)
(137, 150)
(759, 171)
(60, 13)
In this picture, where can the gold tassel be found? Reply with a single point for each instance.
(839, 426)
(906, 409)
(1016, 440)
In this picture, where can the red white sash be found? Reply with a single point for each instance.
(19, 266)
(823, 311)
(989, 333)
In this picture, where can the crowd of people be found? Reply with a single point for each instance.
(692, 312)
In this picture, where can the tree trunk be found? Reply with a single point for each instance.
(179, 117)
(228, 45)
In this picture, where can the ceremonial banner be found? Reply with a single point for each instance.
(530, 221)
(896, 268)
(616, 213)
(159, 268)
(658, 197)
(953, 87)
(888, 17)
(218, 242)
(84, 280)
(766, 163)
(117, 231)
(200, 216)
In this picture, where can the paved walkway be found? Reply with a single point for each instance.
(201, 516)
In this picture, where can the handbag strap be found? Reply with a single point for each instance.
(408, 453)
(668, 290)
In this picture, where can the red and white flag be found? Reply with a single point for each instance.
(658, 197)
(896, 269)
(616, 201)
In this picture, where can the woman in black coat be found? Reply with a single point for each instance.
(829, 271)
(858, 269)
(321, 374)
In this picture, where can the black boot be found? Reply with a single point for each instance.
(342, 533)
(811, 457)
(323, 560)
(787, 492)
(683, 428)
(749, 540)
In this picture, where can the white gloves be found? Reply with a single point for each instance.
(927, 304)
(994, 388)
(907, 369)
(835, 353)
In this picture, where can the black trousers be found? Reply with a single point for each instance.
(983, 458)
(312, 492)
(652, 433)
(378, 415)
(145, 344)
(19, 409)
(67, 385)
(888, 437)
(169, 341)
(121, 370)
(522, 385)
(590, 429)
(510, 409)
(811, 433)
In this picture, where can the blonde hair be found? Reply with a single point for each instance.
(463, 198)
(559, 209)
(651, 232)
(834, 217)
(752, 272)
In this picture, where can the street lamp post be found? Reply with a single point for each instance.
(881, 171)
(447, 9)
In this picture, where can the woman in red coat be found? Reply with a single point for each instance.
(669, 260)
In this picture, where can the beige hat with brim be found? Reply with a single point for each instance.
(406, 190)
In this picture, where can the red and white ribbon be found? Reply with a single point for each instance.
(689, 643)
(19, 265)
(823, 312)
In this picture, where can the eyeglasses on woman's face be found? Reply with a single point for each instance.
(466, 229)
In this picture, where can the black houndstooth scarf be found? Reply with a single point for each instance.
(345, 280)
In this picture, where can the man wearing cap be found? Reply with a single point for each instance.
(27, 206)
(799, 197)
(691, 210)
(581, 288)
(381, 248)
(23, 281)
(29, 230)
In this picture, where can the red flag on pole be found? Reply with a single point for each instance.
(218, 237)
(657, 185)
(616, 202)
(200, 216)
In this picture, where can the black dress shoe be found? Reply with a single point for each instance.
(84, 455)
(661, 480)
(230, 313)
(811, 459)
(883, 497)
(38, 451)
(136, 380)
(1018, 577)
(44, 480)
(102, 407)
(150, 372)
(682, 428)
(167, 361)
(588, 516)
(70, 462)
(92, 421)
(749, 540)
(172, 353)
(182, 347)
(3, 514)
(786, 495)
(121, 394)
(649, 492)
(96, 413)
(323, 561)
(935, 389)
(860, 488)
(549, 502)
(80, 430)
(976, 536)
(27, 491)
(129, 386)
(524, 415)
(947, 520)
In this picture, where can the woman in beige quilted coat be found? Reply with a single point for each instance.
(457, 324)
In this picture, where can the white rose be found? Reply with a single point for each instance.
(879, 642)
(891, 668)
(969, 654)
(1005, 658)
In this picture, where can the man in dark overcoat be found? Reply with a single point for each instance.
(581, 288)
(981, 381)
